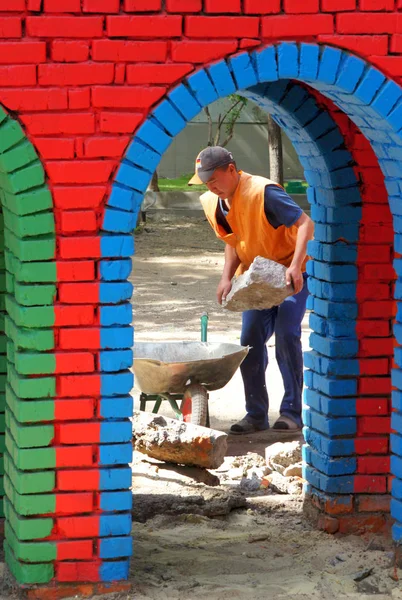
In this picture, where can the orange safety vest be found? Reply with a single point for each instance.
(252, 235)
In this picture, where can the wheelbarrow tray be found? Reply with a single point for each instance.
(170, 367)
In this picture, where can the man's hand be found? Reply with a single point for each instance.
(224, 287)
(294, 276)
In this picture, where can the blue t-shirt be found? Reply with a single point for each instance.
(279, 209)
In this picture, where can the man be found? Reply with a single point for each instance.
(255, 217)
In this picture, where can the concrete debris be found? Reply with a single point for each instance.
(177, 442)
(262, 286)
(281, 455)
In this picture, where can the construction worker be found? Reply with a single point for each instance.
(255, 217)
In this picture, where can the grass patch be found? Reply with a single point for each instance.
(180, 184)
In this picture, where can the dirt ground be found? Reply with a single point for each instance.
(265, 549)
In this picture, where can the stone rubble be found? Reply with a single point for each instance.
(262, 286)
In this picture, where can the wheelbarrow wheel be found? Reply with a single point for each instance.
(194, 406)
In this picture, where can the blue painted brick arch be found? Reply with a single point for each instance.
(374, 104)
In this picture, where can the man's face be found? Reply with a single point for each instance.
(223, 182)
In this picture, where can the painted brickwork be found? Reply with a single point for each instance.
(94, 92)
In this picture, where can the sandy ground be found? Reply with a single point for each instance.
(265, 551)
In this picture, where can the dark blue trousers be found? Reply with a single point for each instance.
(257, 327)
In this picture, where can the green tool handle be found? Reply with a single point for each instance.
(204, 327)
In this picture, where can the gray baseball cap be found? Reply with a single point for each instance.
(208, 161)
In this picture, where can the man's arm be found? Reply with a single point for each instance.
(305, 233)
(232, 261)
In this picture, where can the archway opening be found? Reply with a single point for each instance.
(343, 117)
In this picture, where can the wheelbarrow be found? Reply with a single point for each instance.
(185, 372)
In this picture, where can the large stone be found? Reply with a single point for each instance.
(177, 442)
(262, 286)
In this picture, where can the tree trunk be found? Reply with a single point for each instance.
(275, 151)
(154, 183)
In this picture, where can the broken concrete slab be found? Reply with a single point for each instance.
(262, 286)
(177, 442)
(281, 455)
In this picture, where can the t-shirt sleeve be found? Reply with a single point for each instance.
(279, 207)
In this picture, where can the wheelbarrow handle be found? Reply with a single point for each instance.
(204, 327)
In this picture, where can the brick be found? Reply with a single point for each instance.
(364, 44)
(120, 73)
(221, 27)
(376, 5)
(79, 98)
(374, 503)
(78, 197)
(80, 247)
(337, 5)
(308, 6)
(184, 6)
(34, 5)
(10, 27)
(376, 347)
(377, 445)
(202, 52)
(122, 50)
(70, 50)
(377, 310)
(248, 43)
(64, 27)
(379, 272)
(101, 6)
(396, 43)
(85, 74)
(64, 6)
(20, 75)
(154, 73)
(262, 7)
(67, 316)
(144, 26)
(222, 6)
(371, 291)
(370, 484)
(55, 147)
(12, 5)
(22, 52)
(390, 64)
(372, 406)
(371, 328)
(65, 123)
(126, 97)
(107, 146)
(78, 220)
(119, 122)
(328, 524)
(74, 339)
(362, 23)
(34, 99)
(376, 366)
(83, 270)
(362, 524)
(73, 386)
(373, 464)
(93, 171)
(142, 5)
(296, 26)
(376, 425)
